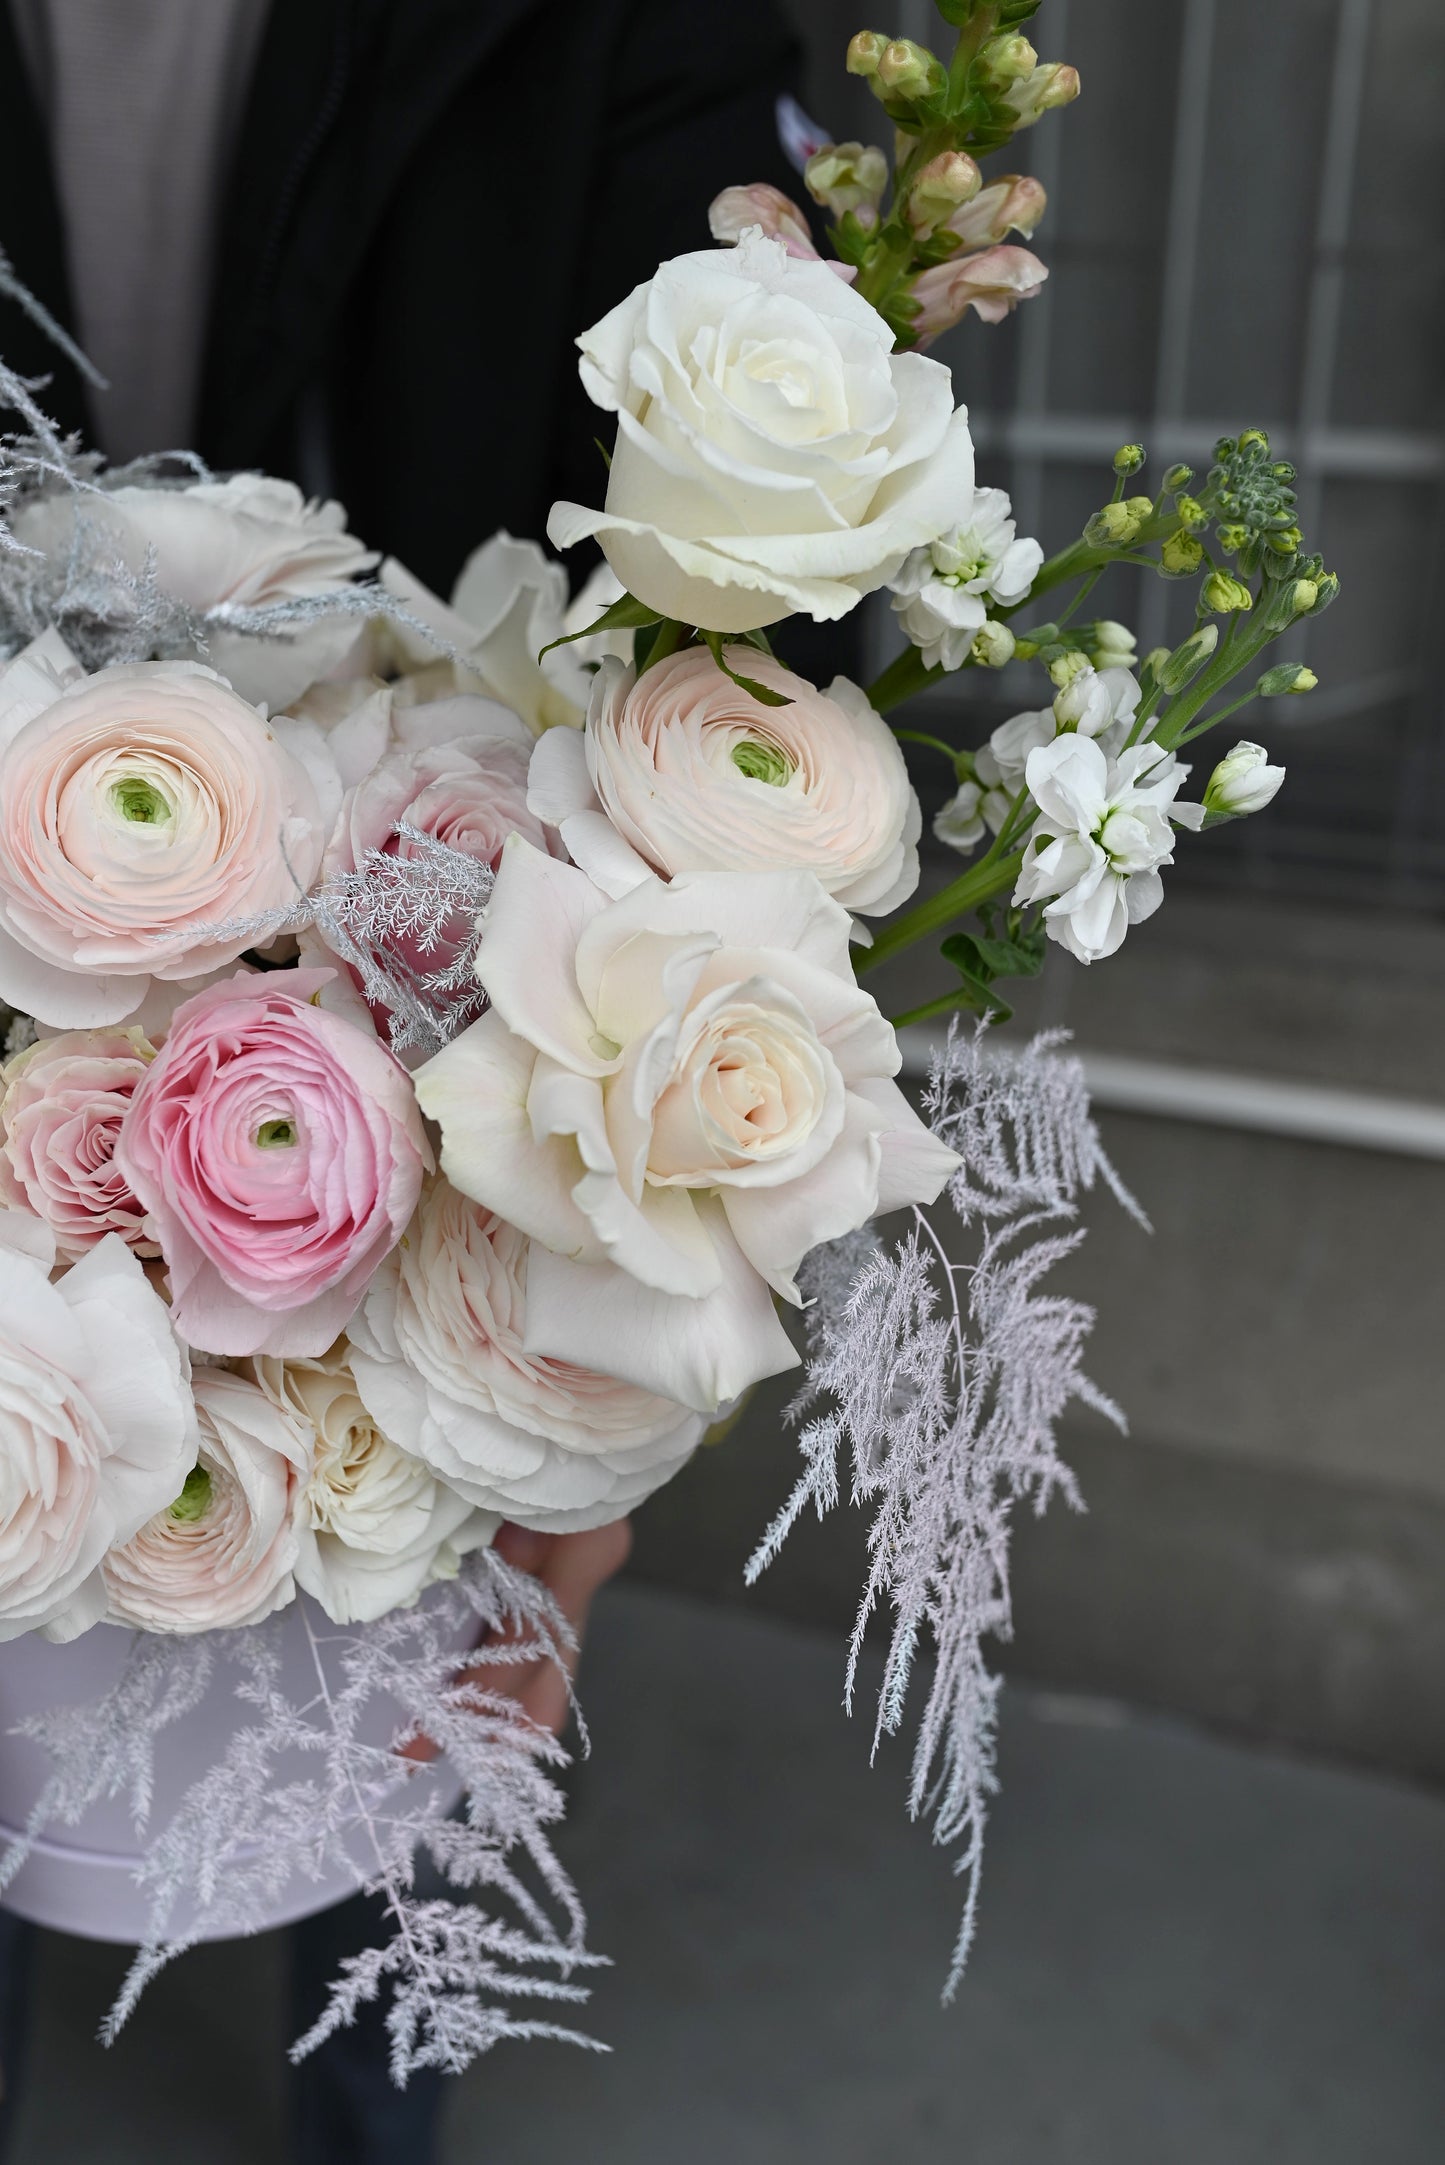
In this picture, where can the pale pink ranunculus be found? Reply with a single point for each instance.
(222, 1551)
(696, 775)
(143, 811)
(97, 1424)
(677, 1095)
(439, 1355)
(279, 1153)
(993, 281)
(62, 1102)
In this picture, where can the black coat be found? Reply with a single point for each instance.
(430, 199)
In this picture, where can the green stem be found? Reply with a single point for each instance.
(905, 676)
(971, 39)
(941, 1006)
(986, 878)
(936, 744)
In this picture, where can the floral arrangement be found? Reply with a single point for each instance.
(442, 1058)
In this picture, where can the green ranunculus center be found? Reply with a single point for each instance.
(195, 1498)
(140, 801)
(277, 1134)
(761, 763)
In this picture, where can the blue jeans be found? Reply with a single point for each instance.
(342, 2106)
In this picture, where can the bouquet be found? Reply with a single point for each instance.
(443, 1077)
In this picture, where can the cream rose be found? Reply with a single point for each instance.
(97, 1424)
(774, 454)
(374, 1525)
(224, 547)
(223, 1550)
(677, 1095)
(140, 807)
(439, 1351)
(695, 775)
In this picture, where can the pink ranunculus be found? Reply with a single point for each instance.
(60, 1113)
(141, 811)
(993, 281)
(279, 1153)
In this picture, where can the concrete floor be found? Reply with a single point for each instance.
(1190, 1953)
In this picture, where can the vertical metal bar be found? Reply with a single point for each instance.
(1036, 322)
(1181, 255)
(1332, 232)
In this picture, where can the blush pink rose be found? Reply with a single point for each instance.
(141, 807)
(279, 1153)
(60, 1114)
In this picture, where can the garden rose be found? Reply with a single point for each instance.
(61, 1105)
(374, 1525)
(277, 1149)
(221, 547)
(141, 806)
(223, 1550)
(97, 1425)
(773, 453)
(440, 1356)
(678, 1094)
(698, 776)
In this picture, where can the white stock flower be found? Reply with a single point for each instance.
(509, 602)
(773, 453)
(677, 1095)
(1102, 833)
(1244, 781)
(374, 1526)
(97, 1425)
(680, 770)
(235, 544)
(439, 1352)
(942, 593)
(960, 823)
(1095, 703)
(221, 1553)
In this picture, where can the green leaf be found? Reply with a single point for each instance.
(763, 693)
(606, 454)
(624, 614)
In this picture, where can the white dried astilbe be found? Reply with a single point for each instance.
(941, 1382)
(301, 1794)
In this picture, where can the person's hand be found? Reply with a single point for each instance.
(572, 1567)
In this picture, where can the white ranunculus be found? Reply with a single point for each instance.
(1244, 781)
(97, 1424)
(374, 1525)
(440, 1356)
(509, 602)
(681, 771)
(225, 546)
(774, 454)
(1102, 834)
(942, 593)
(221, 1553)
(677, 1094)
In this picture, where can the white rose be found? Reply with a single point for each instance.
(677, 1094)
(374, 1525)
(222, 1552)
(440, 1356)
(695, 775)
(222, 546)
(97, 1426)
(773, 453)
(943, 591)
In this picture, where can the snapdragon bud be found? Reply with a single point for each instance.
(1181, 555)
(1244, 781)
(907, 70)
(1032, 96)
(865, 51)
(1226, 596)
(1007, 60)
(1186, 661)
(1129, 458)
(1012, 204)
(993, 645)
(1286, 677)
(946, 182)
(847, 177)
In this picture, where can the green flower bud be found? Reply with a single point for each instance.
(1252, 439)
(1192, 514)
(1139, 507)
(1112, 645)
(1005, 60)
(1224, 596)
(1181, 555)
(1111, 527)
(1327, 588)
(1186, 661)
(946, 182)
(1232, 539)
(1129, 458)
(1177, 478)
(907, 70)
(1303, 596)
(1065, 667)
(1154, 661)
(1285, 540)
(993, 645)
(1286, 677)
(1244, 781)
(865, 51)
(845, 177)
